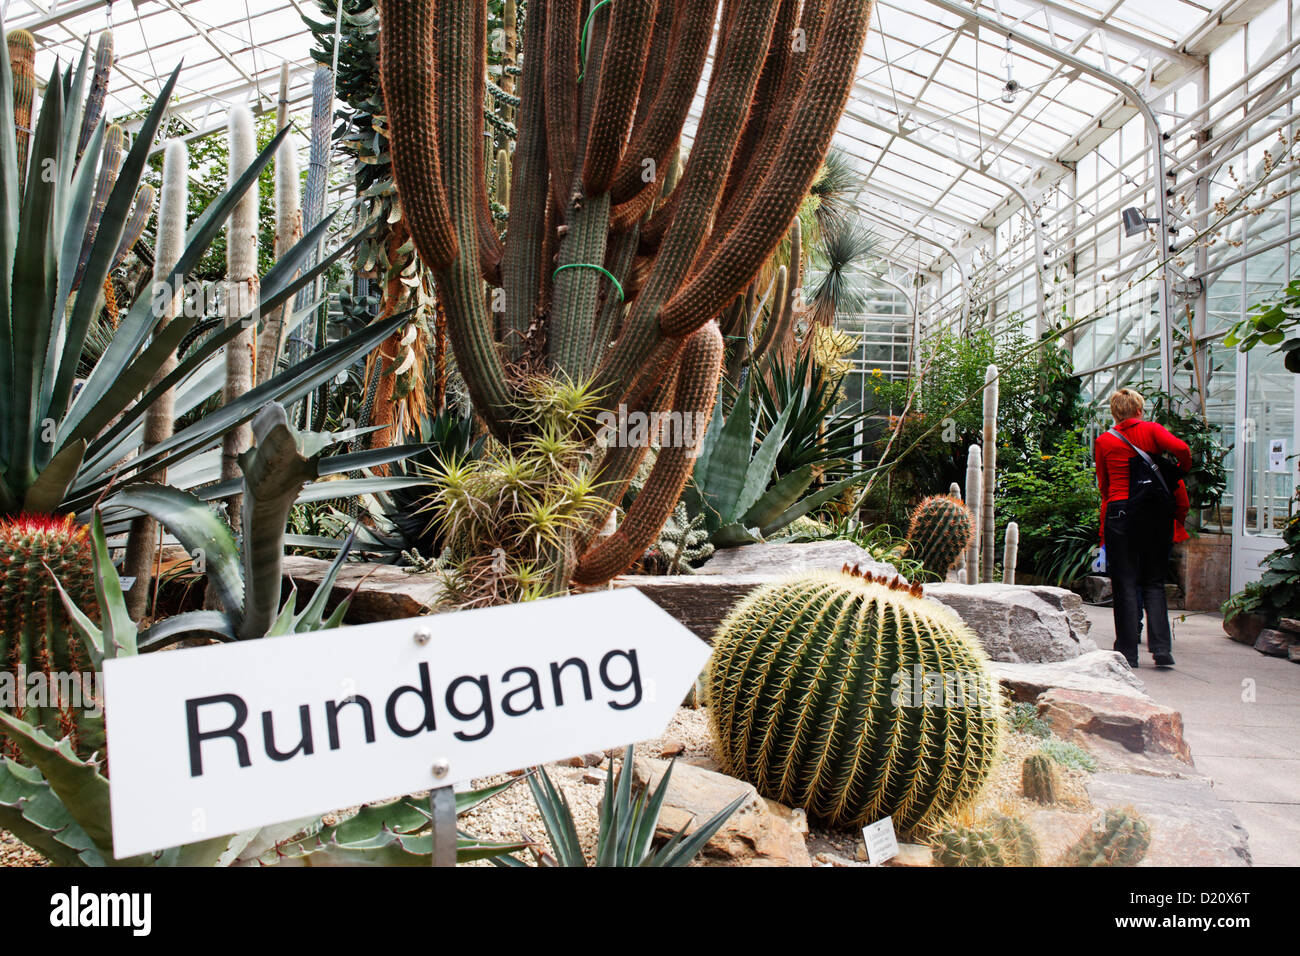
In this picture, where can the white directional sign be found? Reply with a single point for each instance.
(214, 740)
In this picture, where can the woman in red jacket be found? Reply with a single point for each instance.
(1137, 543)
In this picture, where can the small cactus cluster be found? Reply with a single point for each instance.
(683, 543)
(1038, 779)
(1120, 838)
(939, 533)
(36, 636)
(853, 697)
(1000, 840)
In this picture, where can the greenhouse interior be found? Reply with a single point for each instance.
(847, 434)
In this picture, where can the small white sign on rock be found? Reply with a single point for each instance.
(880, 840)
(214, 740)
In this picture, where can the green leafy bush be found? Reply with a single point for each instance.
(1023, 718)
(1068, 754)
(1277, 593)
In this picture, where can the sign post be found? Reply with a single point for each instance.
(222, 739)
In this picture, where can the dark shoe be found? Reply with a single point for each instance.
(1164, 660)
(1133, 662)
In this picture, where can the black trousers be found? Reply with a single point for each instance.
(1137, 555)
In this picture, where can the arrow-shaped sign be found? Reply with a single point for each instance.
(215, 740)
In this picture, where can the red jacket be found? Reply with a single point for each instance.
(1112, 465)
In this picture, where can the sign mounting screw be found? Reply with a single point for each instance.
(441, 767)
(423, 635)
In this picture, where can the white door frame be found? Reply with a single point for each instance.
(1248, 550)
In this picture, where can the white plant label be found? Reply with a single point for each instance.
(214, 740)
(880, 840)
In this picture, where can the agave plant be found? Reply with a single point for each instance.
(57, 801)
(814, 433)
(627, 824)
(735, 487)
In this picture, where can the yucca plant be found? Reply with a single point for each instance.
(627, 824)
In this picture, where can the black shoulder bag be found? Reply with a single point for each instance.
(1151, 482)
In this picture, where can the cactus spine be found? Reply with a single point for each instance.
(939, 533)
(1038, 779)
(288, 229)
(141, 547)
(1010, 552)
(999, 841)
(240, 297)
(1120, 838)
(658, 268)
(990, 468)
(853, 697)
(36, 636)
(974, 504)
(22, 66)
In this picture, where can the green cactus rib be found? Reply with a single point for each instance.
(813, 686)
(939, 533)
(521, 264)
(1120, 838)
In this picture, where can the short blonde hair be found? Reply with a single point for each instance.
(1126, 404)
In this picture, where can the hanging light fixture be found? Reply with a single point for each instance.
(1135, 222)
(1012, 86)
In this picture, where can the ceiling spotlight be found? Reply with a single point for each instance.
(1135, 222)
(1012, 87)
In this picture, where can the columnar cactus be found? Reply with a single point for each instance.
(990, 468)
(241, 294)
(1010, 553)
(1120, 838)
(1038, 778)
(98, 90)
(22, 65)
(288, 229)
(109, 166)
(853, 697)
(36, 636)
(939, 533)
(605, 276)
(975, 505)
(141, 546)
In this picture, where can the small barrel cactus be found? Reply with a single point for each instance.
(855, 698)
(999, 841)
(1038, 778)
(1120, 838)
(36, 636)
(940, 532)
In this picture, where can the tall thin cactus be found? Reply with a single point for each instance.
(22, 65)
(141, 545)
(990, 468)
(606, 278)
(240, 299)
(288, 229)
(109, 166)
(98, 90)
(974, 503)
(1010, 553)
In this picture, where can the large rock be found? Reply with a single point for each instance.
(760, 833)
(698, 601)
(782, 559)
(1020, 624)
(1190, 826)
(1102, 672)
(1272, 642)
(1138, 723)
(1244, 628)
(384, 592)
